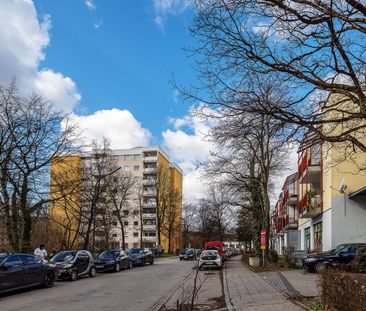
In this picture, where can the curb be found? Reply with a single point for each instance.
(229, 305)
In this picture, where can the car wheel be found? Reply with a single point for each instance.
(92, 272)
(319, 266)
(73, 275)
(49, 279)
(180, 258)
(130, 265)
(152, 261)
(117, 267)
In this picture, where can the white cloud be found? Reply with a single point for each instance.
(23, 40)
(163, 8)
(90, 5)
(97, 25)
(188, 146)
(120, 126)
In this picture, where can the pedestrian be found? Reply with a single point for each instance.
(41, 251)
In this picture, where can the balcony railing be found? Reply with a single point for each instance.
(149, 227)
(148, 215)
(310, 207)
(149, 238)
(149, 170)
(149, 204)
(150, 193)
(148, 182)
(150, 159)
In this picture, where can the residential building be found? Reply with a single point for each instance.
(332, 197)
(141, 165)
(285, 217)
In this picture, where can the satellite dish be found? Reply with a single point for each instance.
(342, 186)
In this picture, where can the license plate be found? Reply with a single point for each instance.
(98, 267)
(209, 263)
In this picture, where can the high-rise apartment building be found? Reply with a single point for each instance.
(145, 168)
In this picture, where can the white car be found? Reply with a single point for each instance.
(210, 259)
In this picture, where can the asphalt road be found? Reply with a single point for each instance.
(140, 288)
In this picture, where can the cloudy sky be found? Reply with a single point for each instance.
(109, 64)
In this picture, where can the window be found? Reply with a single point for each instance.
(125, 212)
(318, 232)
(13, 260)
(135, 244)
(135, 223)
(136, 179)
(126, 245)
(135, 212)
(135, 234)
(126, 157)
(125, 223)
(137, 157)
(136, 168)
(307, 238)
(28, 259)
(114, 235)
(114, 223)
(127, 168)
(115, 213)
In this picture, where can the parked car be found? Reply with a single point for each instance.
(341, 255)
(188, 254)
(74, 264)
(219, 246)
(113, 260)
(140, 257)
(19, 271)
(210, 259)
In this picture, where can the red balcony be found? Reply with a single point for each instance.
(310, 207)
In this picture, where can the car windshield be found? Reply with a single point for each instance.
(2, 258)
(64, 256)
(214, 248)
(109, 254)
(135, 251)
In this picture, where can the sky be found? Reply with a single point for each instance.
(109, 64)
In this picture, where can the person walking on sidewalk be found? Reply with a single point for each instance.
(41, 251)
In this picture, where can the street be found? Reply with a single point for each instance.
(157, 287)
(137, 289)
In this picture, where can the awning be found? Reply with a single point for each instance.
(359, 192)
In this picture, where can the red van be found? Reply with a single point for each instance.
(218, 246)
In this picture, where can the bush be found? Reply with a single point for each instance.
(290, 259)
(343, 291)
(273, 256)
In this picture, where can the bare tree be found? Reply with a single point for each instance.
(171, 224)
(30, 139)
(120, 190)
(310, 53)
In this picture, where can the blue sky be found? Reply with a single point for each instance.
(119, 57)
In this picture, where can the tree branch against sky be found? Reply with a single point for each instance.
(308, 50)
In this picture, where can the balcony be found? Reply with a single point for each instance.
(310, 166)
(149, 239)
(149, 216)
(149, 204)
(149, 182)
(290, 223)
(310, 207)
(149, 193)
(149, 227)
(150, 159)
(149, 170)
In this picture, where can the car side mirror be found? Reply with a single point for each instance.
(6, 266)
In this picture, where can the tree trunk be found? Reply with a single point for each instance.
(27, 228)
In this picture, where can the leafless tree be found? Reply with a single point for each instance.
(120, 191)
(310, 53)
(31, 138)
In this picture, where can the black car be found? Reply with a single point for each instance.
(141, 256)
(113, 260)
(340, 256)
(188, 254)
(73, 264)
(19, 271)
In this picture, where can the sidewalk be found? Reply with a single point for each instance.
(246, 290)
(294, 283)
